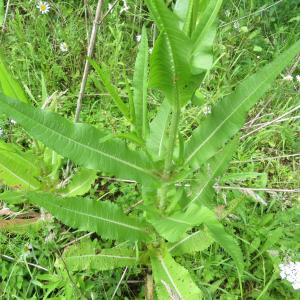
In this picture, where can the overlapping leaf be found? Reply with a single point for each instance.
(105, 218)
(18, 169)
(82, 143)
(173, 281)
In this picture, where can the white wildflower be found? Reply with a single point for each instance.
(63, 47)
(207, 110)
(150, 50)
(110, 6)
(298, 78)
(125, 7)
(291, 272)
(44, 7)
(1, 132)
(227, 13)
(13, 122)
(288, 77)
(236, 25)
(138, 38)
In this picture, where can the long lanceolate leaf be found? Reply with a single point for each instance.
(229, 115)
(105, 218)
(140, 84)
(18, 169)
(169, 68)
(172, 280)
(86, 256)
(82, 143)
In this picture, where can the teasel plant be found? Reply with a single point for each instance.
(173, 218)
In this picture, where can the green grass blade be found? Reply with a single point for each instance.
(104, 74)
(140, 85)
(229, 114)
(104, 218)
(82, 143)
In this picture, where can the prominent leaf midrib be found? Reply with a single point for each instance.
(97, 218)
(224, 121)
(16, 176)
(183, 240)
(165, 268)
(178, 221)
(97, 151)
(101, 255)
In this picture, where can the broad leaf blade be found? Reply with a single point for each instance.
(105, 218)
(197, 241)
(80, 183)
(173, 227)
(87, 256)
(169, 68)
(82, 143)
(1, 12)
(229, 114)
(140, 85)
(8, 85)
(157, 139)
(18, 169)
(172, 279)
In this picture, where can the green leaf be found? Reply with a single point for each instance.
(169, 65)
(8, 85)
(195, 242)
(82, 143)
(173, 281)
(104, 74)
(157, 139)
(140, 85)
(13, 197)
(228, 115)
(80, 184)
(18, 169)
(202, 190)
(2, 12)
(218, 233)
(173, 227)
(104, 218)
(87, 256)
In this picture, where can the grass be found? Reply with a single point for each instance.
(267, 158)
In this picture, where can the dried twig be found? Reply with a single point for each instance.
(5, 15)
(119, 283)
(90, 52)
(266, 190)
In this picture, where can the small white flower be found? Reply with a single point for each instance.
(207, 110)
(138, 38)
(227, 13)
(150, 50)
(110, 6)
(1, 132)
(13, 122)
(288, 77)
(44, 7)
(236, 25)
(63, 47)
(291, 272)
(298, 78)
(125, 7)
